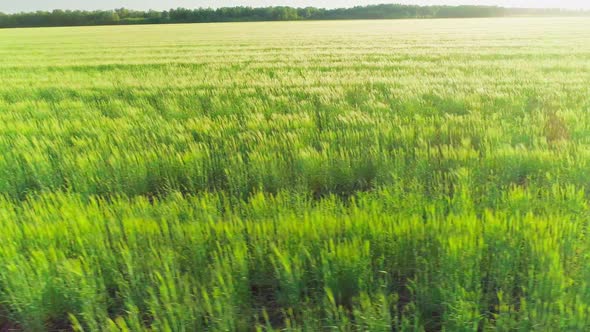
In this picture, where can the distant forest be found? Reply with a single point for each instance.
(249, 14)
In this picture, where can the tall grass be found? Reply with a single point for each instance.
(354, 176)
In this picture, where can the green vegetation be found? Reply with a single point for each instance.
(124, 16)
(419, 175)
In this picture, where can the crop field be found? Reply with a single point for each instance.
(404, 175)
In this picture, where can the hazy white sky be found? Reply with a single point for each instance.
(8, 6)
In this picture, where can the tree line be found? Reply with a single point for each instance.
(245, 14)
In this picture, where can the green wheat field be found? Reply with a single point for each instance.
(408, 175)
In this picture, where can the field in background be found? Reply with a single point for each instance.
(362, 175)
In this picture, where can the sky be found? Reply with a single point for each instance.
(11, 6)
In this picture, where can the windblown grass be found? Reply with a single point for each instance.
(384, 175)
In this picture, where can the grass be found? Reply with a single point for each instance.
(420, 175)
